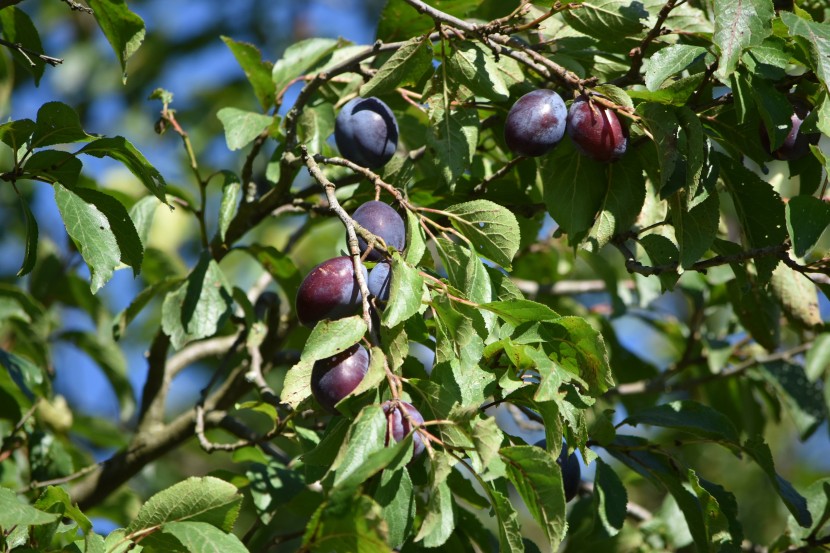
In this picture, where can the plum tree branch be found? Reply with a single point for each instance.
(351, 236)
(634, 266)
(661, 385)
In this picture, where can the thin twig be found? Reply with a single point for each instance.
(638, 52)
(28, 54)
(661, 386)
(75, 6)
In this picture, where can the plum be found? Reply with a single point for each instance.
(797, 144)
(382, 220)
(571, 472)
(335, 377)
(399, 426)
(596, 131)
(329, 291)
(535, 123)
(366, 132)
(379, 281)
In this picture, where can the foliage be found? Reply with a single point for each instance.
(498, 283)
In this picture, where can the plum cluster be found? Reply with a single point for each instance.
(331, 291)
(538, 120)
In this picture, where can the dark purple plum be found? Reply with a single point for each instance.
(400, 426)
(329, 291)
(596, 131)
(379, 281)
(797, 144)
(335, 377)
(382, 220)
(535, 123)
(571, 472)
(366, 132)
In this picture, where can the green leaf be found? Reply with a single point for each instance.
(801, 398)
(492, 229)
(416, 246)
(510, 531)
(347, 523)
(439, 521)
(405, 67)
(199, 307)
(475, 67)
(142, 213)
(689, 416)
(797, 295)
(574, 188)
(315, 125)
(517, 312)
(29, 377)
(458, 341)
(30, 257)
(604, 19)
(807, 219)
(818, 36)
(120, 149)
(57, 123)
(256, 70)
(538, 479)
(109, 357)
(465, 271)
(15, 133)
(452, 139)
(575, 345)
(364, 453)
(123, 319)
(297, 385)
(242, 127)
(406, 290)
(330, 337)
(699, 508)
(19, 29)
(205, 499)
(818, 357)
(231, 191)
(610, 498)
(397, 501)
(55, 166)
(669, 61)
(757, 311)
(120, 223)
(91, 232)
(299, 58)
(203, 537)
(760, 211)
(739, 24)
(795, 502)
(696, 228)
(124, 29)
(54, 496)
(622, 202)
(14, 513)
